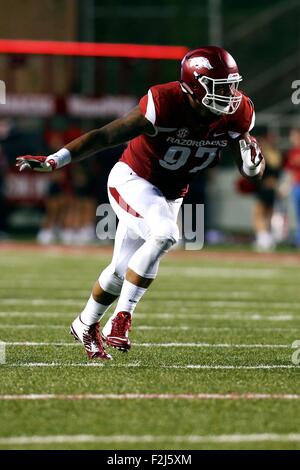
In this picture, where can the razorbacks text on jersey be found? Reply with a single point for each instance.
(181, 145)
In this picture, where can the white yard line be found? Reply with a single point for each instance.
(208, 328)
(38, 302)
(62, 316)
(248, 303)
(196, 439)
(32, 327)
(224, 316)
(73, 293)
(181, 313)
(198, 303)
(149, 316)
(29, 314)
(213, 345)
(222, 272)
(41, 283)
(138, 364)
(229, 367)
(72, 364)
(162, 345)
(66, 290)
(37, 283)
(207, 294)
(151, 396)
(32, 343)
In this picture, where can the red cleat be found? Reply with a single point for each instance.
(115, 332)
(90, 337)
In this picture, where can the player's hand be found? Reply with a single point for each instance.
(39, 163)
(256, 154)
(251, 153)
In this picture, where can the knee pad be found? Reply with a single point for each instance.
(146, 260)
(110, 281)
(161, 245)
(166, 233)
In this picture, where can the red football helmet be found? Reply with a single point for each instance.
(211, 75)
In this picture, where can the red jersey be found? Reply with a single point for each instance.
(182, 145)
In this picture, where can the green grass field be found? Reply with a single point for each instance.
(211, 364)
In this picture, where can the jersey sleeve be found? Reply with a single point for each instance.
(243, 120)
(154, 106)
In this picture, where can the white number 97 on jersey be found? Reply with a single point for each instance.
(176, 157)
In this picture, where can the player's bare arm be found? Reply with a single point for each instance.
(248, 157)
(116, 132)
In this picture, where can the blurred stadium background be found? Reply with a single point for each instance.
(54, 95)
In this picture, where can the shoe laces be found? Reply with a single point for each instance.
(121, 324)
(92, 337)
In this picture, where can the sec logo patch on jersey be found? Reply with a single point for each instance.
(182, 133)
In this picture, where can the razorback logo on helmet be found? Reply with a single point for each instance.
(200, 62)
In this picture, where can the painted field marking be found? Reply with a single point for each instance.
(66, 290)
(76, 286)
(212, 345)
(2, 352)
(161, 345)
(138, 364)
(209, 328)
(39, 302)
(192, 295)
(229, 367)
(198, 303)
(230, 272)
(32, 326)
(27, 314)
(197, 439)
(166, 316)
(151, 396)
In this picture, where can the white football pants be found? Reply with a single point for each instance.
(147, 227)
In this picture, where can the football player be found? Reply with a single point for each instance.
(177, 130)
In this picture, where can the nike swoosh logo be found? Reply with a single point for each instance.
(219, 133)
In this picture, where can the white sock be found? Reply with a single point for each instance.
(129, 297)
(92, 312)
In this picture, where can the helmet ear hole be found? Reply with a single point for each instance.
(186, 88)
